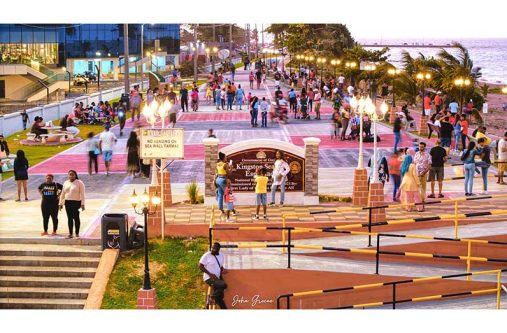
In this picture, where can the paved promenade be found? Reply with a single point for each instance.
(110, 193)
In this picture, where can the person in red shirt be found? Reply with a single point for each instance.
(427, 105)
(438, 101)
(394, 166)
(464, 131)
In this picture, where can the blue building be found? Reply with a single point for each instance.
(82, 47)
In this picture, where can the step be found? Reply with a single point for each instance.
(45, 282)
(31, 303)
(45, 253)
(51, 240)
(48, 261)
(43, 293)
(88, 272)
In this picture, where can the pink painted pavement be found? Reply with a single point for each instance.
(62, 163)
(219, 116)
(387, 141)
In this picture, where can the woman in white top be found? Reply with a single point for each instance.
(73, 197)
(279, 175)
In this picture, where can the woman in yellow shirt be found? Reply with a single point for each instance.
(410, 184)
(222, 173)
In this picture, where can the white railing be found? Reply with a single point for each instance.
(12, 123)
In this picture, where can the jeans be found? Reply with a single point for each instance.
(282, 192)
(397, 140)
(254, 113)
(469, 177)
(239, 101)
(92, 159)
(72, 210)
(264, 120)
(484, 172)
(396, 181)
(230, 99)
(221, 181)
(456, 141)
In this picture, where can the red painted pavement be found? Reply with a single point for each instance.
(62, 163)
(219, 116)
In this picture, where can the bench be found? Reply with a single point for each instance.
(433, 128)
(30, 136)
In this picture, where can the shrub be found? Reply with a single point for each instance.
(193, 192)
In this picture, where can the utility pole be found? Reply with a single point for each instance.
(213, 54)
(142, 56)
(248, 39)
(126, 57)
(230, 42)
(196, 54)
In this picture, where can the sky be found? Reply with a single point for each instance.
(366, 19)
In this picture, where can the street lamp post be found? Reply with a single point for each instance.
(145, 200)
(372, 112)
(359, 106)
(461, 84)
(393, 72)
(423, 77)
(98, 54)
(350, 65)
(335, 63)
(370, 68)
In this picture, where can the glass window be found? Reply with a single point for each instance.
(38, 36)
(15, 35)
(27, 35)
(50, 36)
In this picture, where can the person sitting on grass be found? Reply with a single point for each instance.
(261, 189)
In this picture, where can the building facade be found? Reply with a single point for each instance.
(80, 46)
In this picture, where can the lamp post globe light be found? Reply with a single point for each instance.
(350, 65)
(371, 110)
(335, 63)
(504, 90)
(423, 77)
(393, 72)
(461, 83)
(359, 107)
(145, 199)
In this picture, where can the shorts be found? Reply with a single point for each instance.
(446, 142)
(172, 118)
(502, 167)
(107, 155)
(261, 199)
(230, 206)
(436, 173)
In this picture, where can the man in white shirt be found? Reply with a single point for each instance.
(212, 265)
(502, 158)
(106, 142)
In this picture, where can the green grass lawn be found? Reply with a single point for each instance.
(174, 272)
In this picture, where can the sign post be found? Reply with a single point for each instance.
(162, 143)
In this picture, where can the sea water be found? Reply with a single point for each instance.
(489, 54)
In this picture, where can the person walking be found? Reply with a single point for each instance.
(457, 133)
(133, 154)
(410, 185)
(394, 166)
(212, 266)
(502, 158)
(264, 106)
(316, 99)
(438, 158)
(254, 110)
(184, 98)
(446, 132)
(73, 198)
(92, 146)
(230, 97)
(240, 97)
(49, 191)
(345, 116)
(485, 152)
(135, 103)
(106, 143)
(251, 78)
(258, 77)
(422, 162)
(279, 175)
(222, 173)
(468, 159)
(464, 131)
(397, 132)
(21, 173)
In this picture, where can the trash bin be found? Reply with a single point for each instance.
(136, 236)
(114, 231)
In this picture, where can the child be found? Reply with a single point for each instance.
(208, 93)
(229, 199)
(261, 189)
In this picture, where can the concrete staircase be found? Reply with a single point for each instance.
(46, 276)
